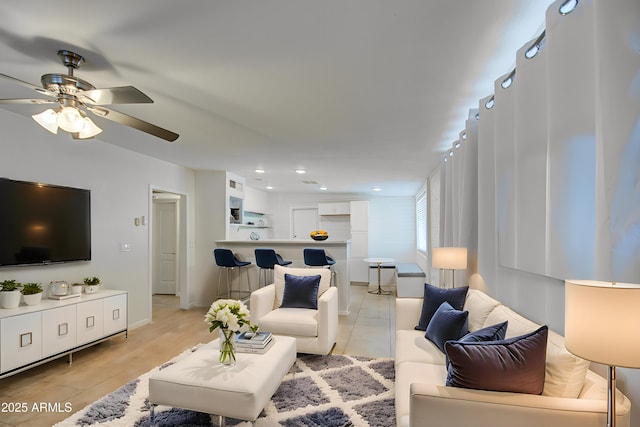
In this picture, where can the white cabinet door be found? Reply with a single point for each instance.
(21, 340)
(115, 314)
(90, 318)
(333, 208)
(359, 216)
(58, 330)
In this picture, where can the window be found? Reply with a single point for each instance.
(421, 221)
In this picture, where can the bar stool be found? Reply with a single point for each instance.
(265, 259)
(317, 257)
(226, 260)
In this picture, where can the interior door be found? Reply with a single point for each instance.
(304, 221)
(165, 247)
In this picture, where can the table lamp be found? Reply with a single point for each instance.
(601, 325)
(449, 258)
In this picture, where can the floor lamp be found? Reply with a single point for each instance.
(601, 325)
(449, 258)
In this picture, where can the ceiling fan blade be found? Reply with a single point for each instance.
(127, 120)
(27, 101)
(114, 95)
(29, 85)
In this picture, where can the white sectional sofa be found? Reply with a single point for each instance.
(573, 395)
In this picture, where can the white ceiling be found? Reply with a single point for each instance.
(360, 93)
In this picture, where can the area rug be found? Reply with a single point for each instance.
(319, 391)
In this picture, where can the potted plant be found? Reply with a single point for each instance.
(32, 293)
(9, 294)
(91, 284)
(76, 288)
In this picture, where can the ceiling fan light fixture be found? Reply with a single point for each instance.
(48, 119)
(69, 119)
(89, 129)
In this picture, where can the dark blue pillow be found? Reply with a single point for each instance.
(300, 291)
(447, 324)
(495, 332)
(515, 365)
(434, 296)
(490, 333)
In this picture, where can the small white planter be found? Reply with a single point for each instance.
(91, 289)
(76, 289)
(10, 299)
(32, 299)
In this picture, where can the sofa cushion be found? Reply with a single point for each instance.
(512, 365)
(412, 347)
(434, 296)
(447, 324)
(291, 321)
(518, 325)
(565, 372)
(278, 279)
(300, 291)
(413, 372)
(479, 305)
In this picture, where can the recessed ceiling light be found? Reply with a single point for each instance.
(376, 189)
(269, 187)
(301, 171)
(259, 170)
(568, 7)
(323, 188)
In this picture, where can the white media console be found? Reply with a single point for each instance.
(32, 335)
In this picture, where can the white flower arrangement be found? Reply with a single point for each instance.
(228, 314)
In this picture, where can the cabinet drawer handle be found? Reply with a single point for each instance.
(91, 321)
(26, 339)
(63, 329)
(116, 314)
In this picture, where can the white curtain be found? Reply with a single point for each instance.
(558, 154)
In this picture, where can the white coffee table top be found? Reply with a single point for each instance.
(198, 381)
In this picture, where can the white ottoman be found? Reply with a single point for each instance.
(199, 383)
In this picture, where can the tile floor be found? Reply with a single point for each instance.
(369, 329)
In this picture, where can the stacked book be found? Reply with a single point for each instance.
(248, 342)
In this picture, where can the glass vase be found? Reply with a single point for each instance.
(227, 348)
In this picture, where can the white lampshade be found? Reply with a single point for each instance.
(602, 320)
(89, 129)
(48, 119)
(449, 258)
(69, 119)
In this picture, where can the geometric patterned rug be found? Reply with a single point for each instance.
(319, 391)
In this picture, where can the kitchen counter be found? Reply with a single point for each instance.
(291, 250)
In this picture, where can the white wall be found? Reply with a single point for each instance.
(119, 181)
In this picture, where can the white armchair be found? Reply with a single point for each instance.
(315, 330)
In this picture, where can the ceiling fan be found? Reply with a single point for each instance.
(75, 97)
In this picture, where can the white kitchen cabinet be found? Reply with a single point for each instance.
(58, 330)
(334, 208)
(256, 201)
(359, 222)
(32, 335)
(359, 215)
(21, 341)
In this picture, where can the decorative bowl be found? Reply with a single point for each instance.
(320, 237)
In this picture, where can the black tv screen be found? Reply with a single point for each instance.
(42, 224)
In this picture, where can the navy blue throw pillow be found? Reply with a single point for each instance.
(515, 365)
(300, 291)
(447, 324)
(495, 332)
(434, 296)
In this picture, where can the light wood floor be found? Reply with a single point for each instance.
(101, 369)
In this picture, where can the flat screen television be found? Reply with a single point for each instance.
(43, 224)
